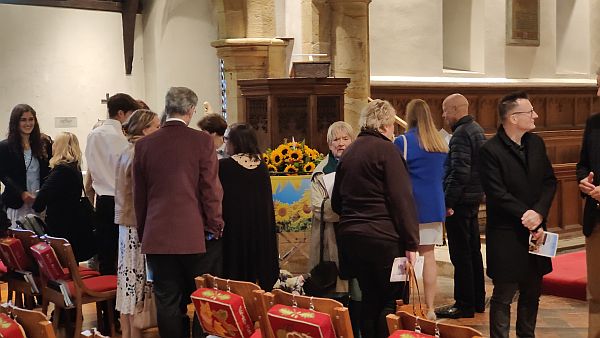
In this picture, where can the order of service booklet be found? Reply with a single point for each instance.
(545, 245)
(398, 273)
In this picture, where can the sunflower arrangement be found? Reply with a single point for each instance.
(292, 158)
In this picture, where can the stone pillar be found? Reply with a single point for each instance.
(350, 52)
(249, 58)
(316, 28)
(260, 18)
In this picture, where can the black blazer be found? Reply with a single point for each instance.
(513, 186)
(13, 172)
(589, 160)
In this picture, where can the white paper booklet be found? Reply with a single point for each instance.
(399, 269)
(329, 180)
(545, 245)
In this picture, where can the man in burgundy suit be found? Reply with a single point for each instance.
(177, 196)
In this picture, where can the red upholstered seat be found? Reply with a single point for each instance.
(568, 277)
(256, 334)
(3, 268)
(98, 284)
(83, 271)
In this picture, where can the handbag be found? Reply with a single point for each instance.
(323, 277)
(86, 243)
(33, 222)
(415, 307)
(145, 310)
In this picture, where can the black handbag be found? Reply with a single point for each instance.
(323, 277)
(85, 243)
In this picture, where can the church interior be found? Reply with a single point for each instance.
(290, 68)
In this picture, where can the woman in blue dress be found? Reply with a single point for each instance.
(425, 152)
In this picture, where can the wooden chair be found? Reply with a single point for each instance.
(95, 289)
(340, 317)
(19, 291)
(403, 320)
(34, 323)
(249, 291)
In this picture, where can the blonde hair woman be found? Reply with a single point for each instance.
(425, 152)
(60, 194)
(131, 268)
(378, 220)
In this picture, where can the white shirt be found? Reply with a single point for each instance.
(175, 119)
(104, 145)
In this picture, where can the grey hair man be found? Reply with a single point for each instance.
(177, 194)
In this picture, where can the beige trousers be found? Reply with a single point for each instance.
(592, 246)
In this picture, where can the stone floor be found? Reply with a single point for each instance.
(558, 317)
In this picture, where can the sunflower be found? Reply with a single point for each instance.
(272, 168)
(290, 169)
(265, 158)
(276, 158)
(304, 211)
(284, 150)
(296, 155)
(309, 167)
(282, 213)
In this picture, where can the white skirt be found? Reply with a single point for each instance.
(131, 271)
(431, 233)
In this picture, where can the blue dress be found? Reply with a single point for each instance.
(426, 170)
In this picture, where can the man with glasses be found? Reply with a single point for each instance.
(463, 193)
(588, 174)
(519, 185)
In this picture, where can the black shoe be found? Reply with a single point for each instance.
(454, 313)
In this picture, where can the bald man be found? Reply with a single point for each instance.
(463, 193)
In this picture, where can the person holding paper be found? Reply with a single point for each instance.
(519, 184)
(339, 136)
(588, 174)
(425, 152)
(378, 219)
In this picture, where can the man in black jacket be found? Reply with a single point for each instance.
(463, 194)
(519, 185)
(588, 174)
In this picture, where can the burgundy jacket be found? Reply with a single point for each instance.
(177, 194)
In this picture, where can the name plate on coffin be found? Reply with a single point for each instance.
(292, 321)
(222, 313)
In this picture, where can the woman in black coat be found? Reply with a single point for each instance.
(60, 194)
(24, 159)
(250, 236)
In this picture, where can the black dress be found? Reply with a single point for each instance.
(59, 195)
(250, 237)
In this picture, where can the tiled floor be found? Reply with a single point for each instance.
(557, 317)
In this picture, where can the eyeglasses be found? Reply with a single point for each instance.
(531, 112)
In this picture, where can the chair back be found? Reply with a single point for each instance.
(65, 256)
(340, 317)
(403, 320)
(27, 238)
(34, 323)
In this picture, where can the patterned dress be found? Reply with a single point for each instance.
(131, 270)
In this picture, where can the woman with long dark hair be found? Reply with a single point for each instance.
(24, 165)
(250, 242)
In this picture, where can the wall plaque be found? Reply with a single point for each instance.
(523, 22)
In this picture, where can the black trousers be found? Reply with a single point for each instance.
(527, 307)
(107, 235)
(174, 283)
(462, 229)
(371, 261)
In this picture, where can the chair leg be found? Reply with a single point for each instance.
(9, 297)
(111, 316)
(45, 305)
(78, 321)
(56, 317)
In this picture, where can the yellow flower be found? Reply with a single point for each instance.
(282, 213)
(265, 158)
(272, 168)
(309, 167)
(296, 155)
(284, 150)
(290, 169)
(276, 158)
(304, 210)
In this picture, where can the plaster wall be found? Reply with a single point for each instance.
(62, 62)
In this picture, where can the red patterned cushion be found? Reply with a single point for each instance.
(297, 322)
(222, 313)
(10, 328)
(409, 334)
(98, 284)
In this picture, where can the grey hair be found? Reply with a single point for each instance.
(337, 128)
(376, 114)
(179, 100)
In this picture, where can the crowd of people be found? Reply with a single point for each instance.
(173, 203)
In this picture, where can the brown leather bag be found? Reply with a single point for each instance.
(415, 307)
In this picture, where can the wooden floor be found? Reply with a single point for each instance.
(557, 317)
